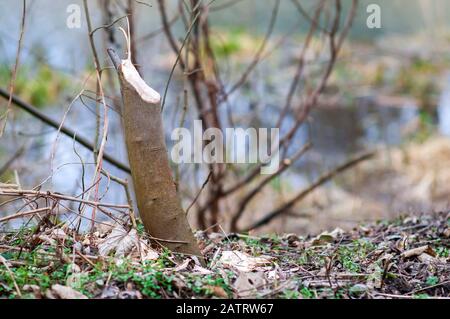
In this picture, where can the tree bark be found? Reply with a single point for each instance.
(157, 199)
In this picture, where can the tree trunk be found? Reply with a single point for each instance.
(157, 199)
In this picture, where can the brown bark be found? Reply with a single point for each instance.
(157, 199)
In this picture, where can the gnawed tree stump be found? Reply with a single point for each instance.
(157, 199)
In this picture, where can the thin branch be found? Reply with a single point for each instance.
(14, 71)
(48, 194)
(320, 181)
(166, 28)
(23, 214)
(65, 130)
(11, 274)
(114, 58)
(199, 192)
(305, 14)
(303, 110)
(178, 59)
(258, 54)
(246, 200)
(11, 160)
(106, 26)
(126, 187)
(97, 68)
(301, 63)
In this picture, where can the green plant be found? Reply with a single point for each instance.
(432, 280)
(306, 293)
(442, 251)
(228, 44)
(291, 294)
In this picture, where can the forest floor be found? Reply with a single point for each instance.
(403, 258)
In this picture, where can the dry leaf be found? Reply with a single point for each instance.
(64, 292)
(182, 266)
(244, 262)
(427, 259)
(102, 229)
(446, 233)
(151, 255)
(274, 275)
(200, 270)
(120, 241)
(47, 239)
(130, 294)
(248, 283)
(58, 233)
(328, 237)
(145, 251)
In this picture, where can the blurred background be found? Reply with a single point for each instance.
(389, 90)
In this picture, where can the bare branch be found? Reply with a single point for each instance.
(14, 70)
(320, 181)
(199, 192)
(258, 54)
(65, 130)
(246, 200)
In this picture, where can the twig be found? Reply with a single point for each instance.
(246, 200)
(97, 68)
(126, 187)
(178, 59)
(11, 160)
(258, 54)
(320, 181)
(199, 192)
(429, 287)
(19, 193)
(301, 63)
(114, 58)
(405, 297)
(14, 71)
(98, 154)
(65, 130)
(91, 33)
(5, 263)
(22, 214)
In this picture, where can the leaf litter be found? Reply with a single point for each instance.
(404, 258)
